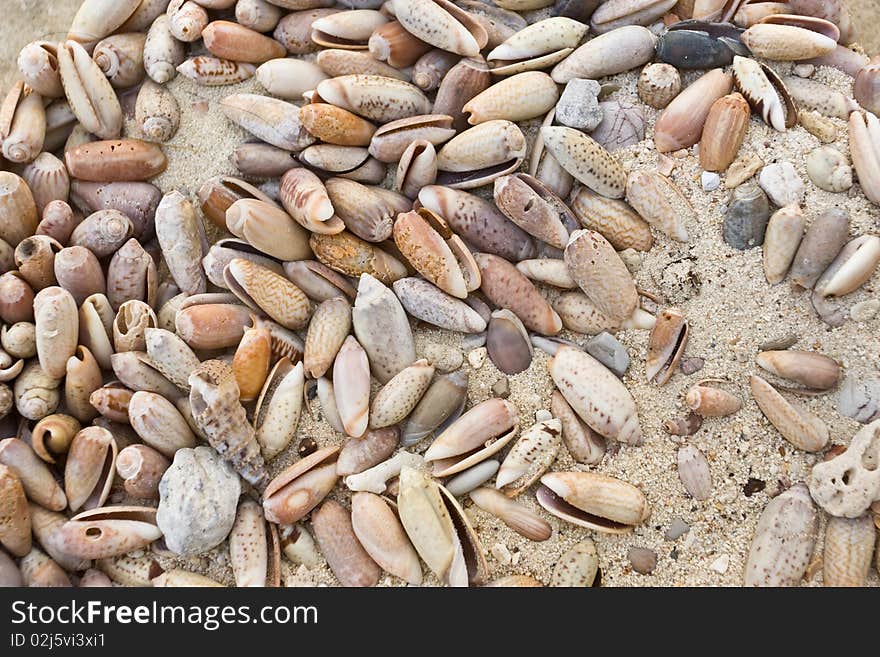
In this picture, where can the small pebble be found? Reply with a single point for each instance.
(677, 528)
(578, 106)
(782, 184)
(665, 164)
(859, 399)
(721, 564)
(632, 259)
(829, 169)
(710, 181)
(501, 553)
(864, 310)
(306, 447)
(742, 169)
(477, 357)
(642, 560)
(608, 351)
(691, 364)
(803, 70)
(473, 340)
(501, 388)
(746, 219)
(822, 128)
(753, 486)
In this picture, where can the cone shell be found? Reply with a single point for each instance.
(238, 43)
(586, 160)
(328, 329)
(352, 256)
(601, 274)
(263, 290)
(681, 124)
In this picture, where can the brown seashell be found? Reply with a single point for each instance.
(708, 401)
(507, 342)
(336, 62)
(352, 162)
(78, 271)
(359, 454)
(47, 179)
(36, 478)
(262, 160)
(238, 43)
(816, 371)
(300, 487)
(270, 119)
(596, 501)
(585, 159)
(131, 275)
(137, 200)
(352, 256)
(186, 20)
(159, 424)
(57, 329)
(659, 84)
(218, 194)
(533, 207)
(83, 377)
(468, 161)
(417, 168)
(464, 81)
(22, 124)
(16, 298)
(89, 469)
(318, 281)
(112, 401)
(163, 53)
(335, 125)
(661, 203)
(15, 520)
(181, 236)
(583, 444)
(52, 435)
(614, 219)
(132, 320)
(35, 258)
(258, 15)
(252, 361)
(58, 221)
(366, 211)
(39, 570)
(212, 325)
(18, 211)
(430, 69)
(392, 43)
(601, 274)
(724, 132)
(294, 31)
(134, 370)
(121, 58)
(109, 531)
(102, 232)
(338, 543)
(115, 160)
(215, 72)
(263, 290)
(785, 37)
(666, 345)
(681, 124)
(374, 97)
(278, 408)
(268, 228)
(518, 517)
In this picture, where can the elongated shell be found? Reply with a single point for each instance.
(681, 124)
(278, 408)
(443, 25)
(790, 38)
(375, 97)
(812, 369)
(781, 241)
(617, 51)
(38, 65)
(383, 537)
(800, 427)
(596, 501)
(848, 546)
(90, 95)
(272, 120)
(506, 99)
(156, 112)
(531, 455)
(601, 274)
(383, 329)
(586, 160)
(57, 329)
(25, 131)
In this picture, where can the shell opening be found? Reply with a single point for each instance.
(559, 507)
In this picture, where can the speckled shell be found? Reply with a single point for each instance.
(374, 97)
(278, 409)
(397, 398)
(659, 202)
(382, 328)
(443, 25)
(327, 331)
(601, 274)
(181, 236)
(586, 160)
(617, 51)
(198, 496)
(272, 120)
(516, 98)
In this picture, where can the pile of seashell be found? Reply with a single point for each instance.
(141, 364)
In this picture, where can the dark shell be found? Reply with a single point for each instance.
(688, 49)
(579, 10)
(747, 215)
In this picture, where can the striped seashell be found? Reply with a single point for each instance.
(614, 219)
(263, 290)
(215, 72)
(849, 543)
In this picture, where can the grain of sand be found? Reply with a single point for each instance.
(731, 309)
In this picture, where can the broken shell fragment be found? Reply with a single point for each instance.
(708, 401)
(846, 485)
(531, 455)
(583, 444)
(848, 546)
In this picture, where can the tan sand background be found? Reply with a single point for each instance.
(731, 308)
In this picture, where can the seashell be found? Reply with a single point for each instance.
(121, 58)
(592, 500)
(252, 361)
(865, 87)
(38, 66)
(115, 160)
(58, 223)
(351, 389)
(577, 567)
(181, 237)
(224, 251)
(533, 207)
(237, 43)
(698, 44)
(784, 540)
(9, 573)
(15, 519)
(747, 215)
(475, 436)
(19, 340)
(472, 478)
(47, 179)
(374, 97)
(443, 401)
(348, 560)
(349, 30)
(248, 551)
(586, 160)
(397, 398)
(658, 85)
(614, 219)
(56, 329)
(359, 454)
(518, 517)
(464, 81)
(318, 281)
(440, 530)
(391, 140)
(846, 485)
(198, 496)
(693, 471)
(531, 455)
(835, 12)
(156, 112)
(52, 435)
(60, 121)
(430, 68)
(466, 162)
(801, 428)
(621, 49)
(39, 570)
(328, 404)
(129, 571)
(260, 160)
(601, 274)
(382, 328)
(506, 287)
(849, 543)
(289, 78)
(96, 19)
(812, 95)
(707, 401)
(298, 545)
(506, 100)
(112, 401)
(790, 38)
(392, 43)
(95, 328)
(666, 345)
(478, 222)
(814, 370)
(18, 211)
(500, 24)
(438, 254)
(352, 256)
(268, 229)
(23, 125)
(382, 536)
(300, 487)
(261, 289)
(215, 72)
(599, 398)
(417, 168)
(89, 93)
(829, 169)
(335, 125)
(765, 92)
(328, 328)
(187, 20)
(278, 408)
(102, 232)
(781, 242)
(130, 275)
(178, 578)
(218, 414)
(35, 258)
(83, 377)
(142, 468)
(107, 532)
(680, 125)
(858, 399)
(615, 13)
(258, 15)
(305, 199)
(537, 46)
(583, 444)
(16, 298)
(294, 31)
(37, 480)
(442, 25)
(159, 424)
(274, 121)
(725, 130)
(163, 53)
(508, 343)
(47, 527)
(89, 469)
(548, 271)
(136, 200)
(843, 58)
(853, 266)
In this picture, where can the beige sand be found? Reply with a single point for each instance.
(731, 308)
